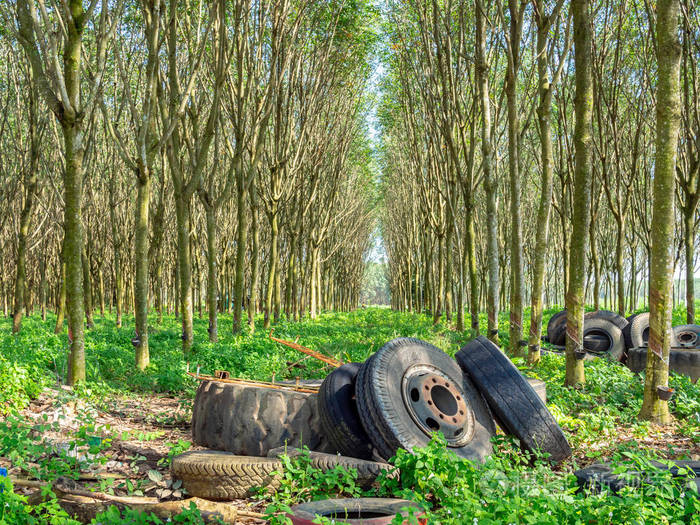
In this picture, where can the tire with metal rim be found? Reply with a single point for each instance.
(222, 476)
(337, 409)
(614, 344)
(687, 336)
(355, 511)
(511, 398)
(556, 328)
(410, 389)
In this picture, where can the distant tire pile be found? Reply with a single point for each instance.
(608, 334)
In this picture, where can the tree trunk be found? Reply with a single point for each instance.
(272, 272)
(490, 184)
(61, 306)
(255, 268)
(544, 116)
(143, 197)
(668, 117)
(182, 212)
(689, 245)
(583, 107)
(21, 272)
(241, 243)
(212, 309)
(87, 289)
(619, 266)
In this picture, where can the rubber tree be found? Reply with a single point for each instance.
(688, 172)
(668, 120)
(545, 21)
(58, 71)
(183, 110)
(516, 10)
(583, 108)
(30, 178)
(490, 182)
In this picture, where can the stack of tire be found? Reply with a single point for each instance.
(609, 334)
(410, 389)
(362, 415)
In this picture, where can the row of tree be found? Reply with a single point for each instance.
(523, 132)
(171, 154)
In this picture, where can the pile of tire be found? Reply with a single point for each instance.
(622, 339)
(409, 390)
(362, 415)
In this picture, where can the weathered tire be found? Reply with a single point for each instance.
(409, 389)
(250, 420)
(613, 317)
(636, 332)
(687, 336)
(600, 475)
(222, 476)
(512, 400)
(360, 511)
(596, 343)
(337, 409)
(686, 362)
(615, 348)
(556, 328)
(367, 471)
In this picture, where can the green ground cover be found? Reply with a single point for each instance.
(599, 419)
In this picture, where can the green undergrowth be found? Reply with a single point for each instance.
(504, 490)
(509, 487)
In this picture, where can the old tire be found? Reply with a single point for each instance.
(687, 336)
(337, 409)
(409, 389)
(636, 333)
(250, 420)
(367, 471)
(354, 511)
(600, 475)
(222, 476)
(681, 361)
(556, 328)
(613, 317)
(596, 343)
(614, 348)
(511, 398)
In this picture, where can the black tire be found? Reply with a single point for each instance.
(337, 409)
(351, 511)
(613, 317)
(597, 326)
(600, 475)
(681, 361)
(367, 471)
(222, 476)
(636, 333)
(512, 400)
(539, 386)
(251, 420)
(687, 336)
(409, 389)
(556, 328)
(596, 343)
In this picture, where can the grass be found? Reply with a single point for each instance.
(600, 418)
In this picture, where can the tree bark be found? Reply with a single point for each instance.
(668, 117)
(143, 198)
(583, 107)
(490, 184)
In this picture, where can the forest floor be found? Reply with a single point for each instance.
(116, 433)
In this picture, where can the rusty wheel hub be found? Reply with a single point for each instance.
(436, 403)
